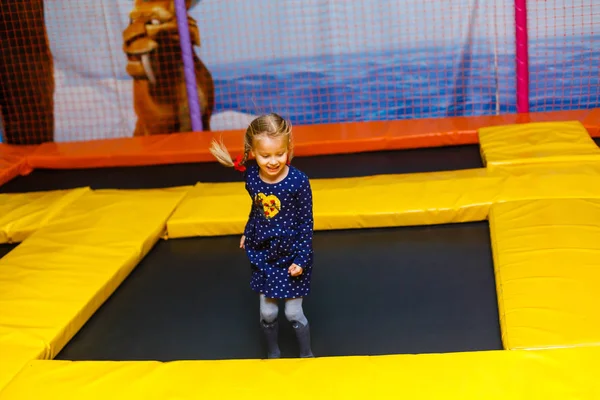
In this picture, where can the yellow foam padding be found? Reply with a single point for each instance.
(212, 209)
(24, 213)
(560, 374)
(56, 279)
(16, 350)
(547, 265)
(536, 143)
(13, 359)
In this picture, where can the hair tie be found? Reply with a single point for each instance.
(237, 164)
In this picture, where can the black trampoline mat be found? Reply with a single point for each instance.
(407, 290)
(316, 167)
(6, 248)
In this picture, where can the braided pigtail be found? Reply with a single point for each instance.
(286, 129)
(241, 160)
(247, 149)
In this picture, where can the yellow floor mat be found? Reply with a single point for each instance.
(560, 374)
(16, 350)
(537, 142)
(23, 213)
(213, 209)
(547, 263)
(56, 279)
(393, 200)
(14, 357)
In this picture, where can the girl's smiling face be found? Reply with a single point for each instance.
(271, 154)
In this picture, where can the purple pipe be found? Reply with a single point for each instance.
(522, 56)
(188, 65)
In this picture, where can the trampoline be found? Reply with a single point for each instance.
(467, 290)
(412, 302)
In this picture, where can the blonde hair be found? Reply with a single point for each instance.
(271, 124)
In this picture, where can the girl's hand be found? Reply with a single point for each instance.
(295, 270)
(242, 241)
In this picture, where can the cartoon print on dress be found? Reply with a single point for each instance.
(270, 204)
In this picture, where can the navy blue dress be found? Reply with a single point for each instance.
(279, 233)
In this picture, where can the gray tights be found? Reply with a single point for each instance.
(269, 310)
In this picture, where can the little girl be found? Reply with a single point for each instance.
(278, 237)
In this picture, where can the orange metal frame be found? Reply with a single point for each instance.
(309, 140)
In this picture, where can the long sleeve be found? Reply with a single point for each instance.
(248, 223)
(250, 214)
(304, 241)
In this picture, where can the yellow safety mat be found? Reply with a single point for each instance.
(560, 374)
(392, 200)
(547, 264)
(16, 350)
(537, 142)
(23, 213)
(13, 357)
(212, 209)
(56, 279)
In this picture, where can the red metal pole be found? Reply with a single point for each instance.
(522, 56)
